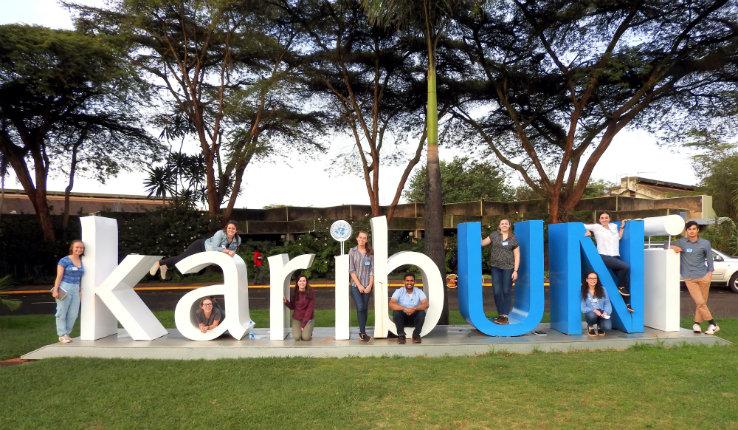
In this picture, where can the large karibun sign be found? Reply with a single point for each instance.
(108, 298)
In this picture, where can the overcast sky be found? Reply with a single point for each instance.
(310, 183)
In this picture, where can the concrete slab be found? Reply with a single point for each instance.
(442, 341)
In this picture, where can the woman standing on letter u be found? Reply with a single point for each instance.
(361, 271)
(505, 260)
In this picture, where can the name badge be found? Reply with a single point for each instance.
(367, 262)
(504, 243)
(689, 249)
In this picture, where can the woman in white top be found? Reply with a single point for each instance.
(607, 235)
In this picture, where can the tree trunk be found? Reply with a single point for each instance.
(433, 216)
(36, 194)
(68, 190)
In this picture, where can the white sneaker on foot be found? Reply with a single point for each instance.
(712, 329)
(696, 328)
(154, 269)
(65, 339)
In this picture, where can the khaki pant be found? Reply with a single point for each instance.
(302, 334)
(699, 289)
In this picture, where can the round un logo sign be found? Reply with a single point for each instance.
(341, 230)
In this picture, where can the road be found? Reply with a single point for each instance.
(162, 296)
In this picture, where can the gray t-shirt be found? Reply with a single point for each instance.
(214, 315)
(695, 260)
(501, 251)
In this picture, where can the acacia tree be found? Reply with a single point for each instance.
(368, 80)
(556, 81)
(66, 99)
(219, 66)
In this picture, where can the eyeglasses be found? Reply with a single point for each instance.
(207, 304)
(591, 279)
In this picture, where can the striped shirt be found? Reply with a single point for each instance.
(362, 265)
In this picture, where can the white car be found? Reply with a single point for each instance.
(726, 267)
(726, 270)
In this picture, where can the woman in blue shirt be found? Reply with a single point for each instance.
(595, 306)
(226, 240)
(69, 273)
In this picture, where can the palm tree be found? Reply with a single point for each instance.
(160, 181)
(433, 21)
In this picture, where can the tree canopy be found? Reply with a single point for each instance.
(716, 165)
(223, 70)
(369, 83)
(550, 84)
(67, 101)
(463, 180)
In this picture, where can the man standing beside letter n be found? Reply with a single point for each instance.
(408, 305)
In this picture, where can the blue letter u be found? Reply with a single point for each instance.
(529, 295)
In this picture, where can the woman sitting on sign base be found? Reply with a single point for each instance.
(302, 302)
(595, 306)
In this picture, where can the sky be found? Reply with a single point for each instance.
(297, 181)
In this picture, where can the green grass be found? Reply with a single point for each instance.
(642, 387)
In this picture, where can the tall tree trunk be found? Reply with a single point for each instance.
(433, 217)
(44, 216)
(70, 185)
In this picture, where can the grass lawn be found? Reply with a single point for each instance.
(691, 387)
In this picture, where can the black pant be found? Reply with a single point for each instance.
(194, 248)
(402, 319)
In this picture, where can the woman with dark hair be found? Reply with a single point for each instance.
(595, 306)
(505, 260)
(66, 288)
(302, 302)
(226, 240)
(607, 235)
(209, 315)
(361, 271)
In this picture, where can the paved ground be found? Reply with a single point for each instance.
(162, 296)
(442, 341)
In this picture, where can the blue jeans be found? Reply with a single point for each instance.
(621, 269)
(502, 287)
(592, 319)
(362, 305)
(67, 309)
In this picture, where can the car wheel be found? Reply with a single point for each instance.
(733, 284)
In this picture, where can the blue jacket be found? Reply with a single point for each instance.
(219, 242)
(591, 303)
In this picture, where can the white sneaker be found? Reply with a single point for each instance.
(65, 339)
(163, 272)
(712, 329)
(696, 328)
(154, 269)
